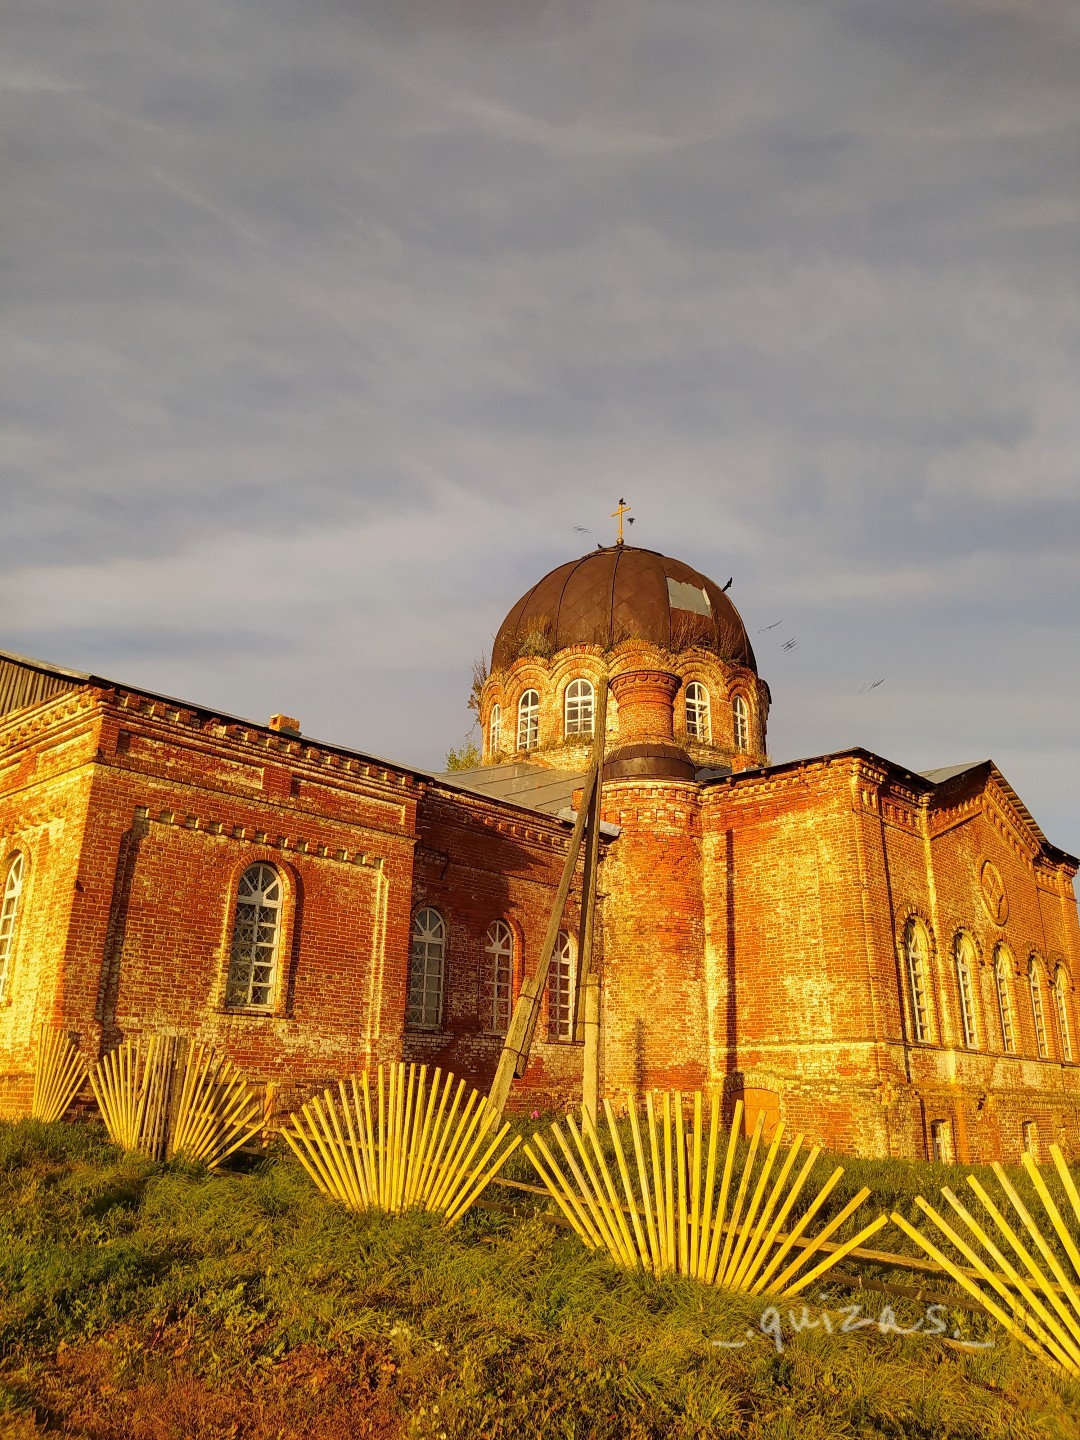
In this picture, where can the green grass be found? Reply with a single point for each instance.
(151, 1301)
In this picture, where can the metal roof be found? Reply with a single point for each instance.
(535, 787)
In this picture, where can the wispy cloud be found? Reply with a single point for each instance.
(323, 328)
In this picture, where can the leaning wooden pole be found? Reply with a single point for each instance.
(518, 1043)
(587, 992)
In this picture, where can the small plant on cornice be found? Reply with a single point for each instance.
(689, 632)
(535, 638)
(480, 673)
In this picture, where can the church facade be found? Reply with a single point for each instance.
(888, 961)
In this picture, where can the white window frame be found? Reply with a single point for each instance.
(495, 730)
(1038, 1009)
(917, 951)
(966, 958)
(560, 988)
(579, 707)
(1061, 1005)
(1006, 1012)
(941, 1146)
(698, 712)
(9, 916)
(255, 939)
(528, 720)
(499, 948)
(1029, 1138)
(427, 970)
(740, 719)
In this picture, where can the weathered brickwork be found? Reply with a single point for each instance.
(788, 935)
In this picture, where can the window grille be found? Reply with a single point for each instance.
(698, 713)
(918, 960)
(256, 926)
(1004, 999)
(741, 712)
(1061, 1005)
(561, 990)
(9, 909)
(1038, 1013)
(495, 730)
(941, 1148)
(427, 955)
(499, 949)
(528, 736)
(965, 963)
(579, 708)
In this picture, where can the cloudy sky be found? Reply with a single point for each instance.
(327, 322)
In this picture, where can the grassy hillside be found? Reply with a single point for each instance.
(145, 1301)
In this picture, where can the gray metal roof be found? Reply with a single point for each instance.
(949, 772)
(536, 787)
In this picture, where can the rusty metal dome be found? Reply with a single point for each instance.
(618, 593)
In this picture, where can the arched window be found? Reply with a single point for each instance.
(1004, 998)
(495, 731)
(9, 911)
(698, 713)
(1061, 1005)
(427, 955)
(528, 736)
(741, 712)
(561, 990)
(579, 708)
(499, 949)
(256, 928)
(917, 950)
(1038, 1012)
(966, 960)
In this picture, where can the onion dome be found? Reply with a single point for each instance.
(618, 593)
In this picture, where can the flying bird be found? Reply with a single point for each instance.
(728, 585)
(874, 686)
(582, 529)
(791, 644)
(772, 626)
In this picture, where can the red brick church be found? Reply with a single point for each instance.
(886, 960)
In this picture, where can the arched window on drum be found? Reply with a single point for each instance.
(528, 717)
(741, 723)
(698, 713)
(578, 707)
(495, 731)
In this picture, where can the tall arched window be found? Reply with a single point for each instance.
(495, 731)
(427, 955)
(256, 929)
(1038, 1011)
(528, 734)
(917, 951)
(9, 913)
(698, 713)
(561, 990)
(1002, 962)
(579, 708)
(499, 949)
(741, 712)
(966, 961)
(1061, 1005)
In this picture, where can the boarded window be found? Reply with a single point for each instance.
(965, 965)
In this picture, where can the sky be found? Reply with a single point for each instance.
(329, 327)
